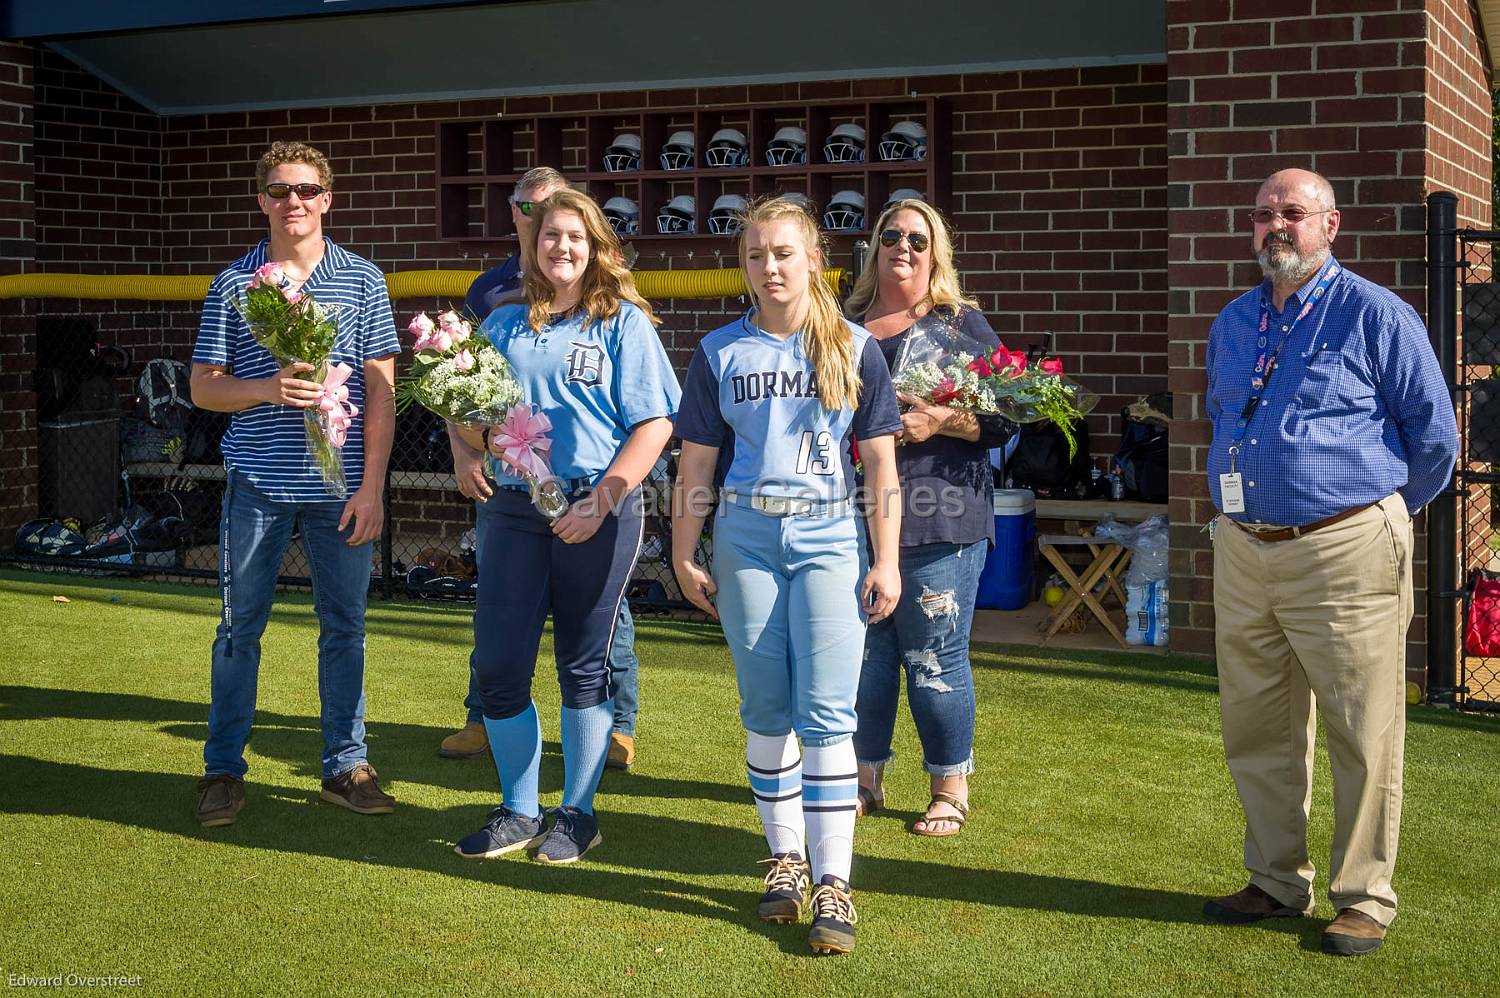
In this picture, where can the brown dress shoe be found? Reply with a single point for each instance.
(220, 797)
(621, 751)
(359, 791)
(1249, 905)
(1353, 933)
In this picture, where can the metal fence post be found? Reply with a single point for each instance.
(1442, 513)
(387, 584)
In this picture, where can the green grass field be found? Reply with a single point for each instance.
(1103, 813)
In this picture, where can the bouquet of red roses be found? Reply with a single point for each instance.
(941, 364)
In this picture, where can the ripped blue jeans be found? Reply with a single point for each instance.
(927, 638)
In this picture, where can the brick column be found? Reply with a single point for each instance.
(1365, 93)
(18, 497)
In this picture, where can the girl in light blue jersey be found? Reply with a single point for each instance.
(794, 383)
(585, 350)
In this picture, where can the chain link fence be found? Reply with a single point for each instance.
(1477, 479)
(131, 480)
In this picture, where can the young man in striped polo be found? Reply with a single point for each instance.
(273, 488)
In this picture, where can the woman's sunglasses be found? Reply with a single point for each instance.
(916, 240)
(304, 191)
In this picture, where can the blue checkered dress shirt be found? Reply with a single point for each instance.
(1357, 408)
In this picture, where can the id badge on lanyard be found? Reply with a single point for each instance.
(1231, 483)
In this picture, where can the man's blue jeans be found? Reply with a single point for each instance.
(927, 638)
(254, 531)
(624, 676)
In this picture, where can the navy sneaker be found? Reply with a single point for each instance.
(506, 831)
(573, 834)
(786, 888)
(833, 917)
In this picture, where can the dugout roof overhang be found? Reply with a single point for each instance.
(1489, 16)
(316, 53)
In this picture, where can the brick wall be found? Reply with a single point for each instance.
(1459, 160)
(1337, 86)
(17, 253)
(1058, 195)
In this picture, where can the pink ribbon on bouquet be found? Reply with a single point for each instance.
(334, 408)
(523, 442)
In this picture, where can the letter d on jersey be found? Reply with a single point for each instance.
(585, 364)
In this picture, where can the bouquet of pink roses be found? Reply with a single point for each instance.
(293, 327)
(941, 364)
(458, 375)
(465, 380)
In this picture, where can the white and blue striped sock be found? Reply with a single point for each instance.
(830, 790)
(775, 771)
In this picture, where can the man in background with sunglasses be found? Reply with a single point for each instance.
(1332, 427)
(495, 287)
(273, 488)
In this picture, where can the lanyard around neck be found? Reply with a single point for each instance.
(1265, 361)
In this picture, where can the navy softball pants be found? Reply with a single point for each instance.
(525, 573)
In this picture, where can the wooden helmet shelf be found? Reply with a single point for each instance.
(480, 160)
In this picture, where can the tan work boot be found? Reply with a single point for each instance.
(621, 751)
(465, 743)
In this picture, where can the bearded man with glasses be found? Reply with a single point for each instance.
(1332, 427)
(271, 488)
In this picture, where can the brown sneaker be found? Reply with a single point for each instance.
(359, 791)
(621, 751)
(1249, 905)
(1353, 933)
(220, 797)
(466, 742)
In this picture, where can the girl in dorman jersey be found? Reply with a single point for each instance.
(584, 348)
(794, 383)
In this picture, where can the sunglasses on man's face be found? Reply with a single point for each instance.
(916, 240)
(304, 191)
(524, 207)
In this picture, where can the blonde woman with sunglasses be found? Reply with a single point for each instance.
(947, 527)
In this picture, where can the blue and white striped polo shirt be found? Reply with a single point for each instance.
(267, 442)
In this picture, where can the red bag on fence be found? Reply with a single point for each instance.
(1482, 630)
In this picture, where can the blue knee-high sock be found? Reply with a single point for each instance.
(585, 743)
(516, 744)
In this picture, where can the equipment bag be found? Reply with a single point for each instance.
(1041, 463)
(1482, 630)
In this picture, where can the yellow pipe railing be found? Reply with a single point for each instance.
(450, 284)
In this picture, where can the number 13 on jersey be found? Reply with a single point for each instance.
(815, 455)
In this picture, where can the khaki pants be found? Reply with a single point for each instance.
(1320, 618)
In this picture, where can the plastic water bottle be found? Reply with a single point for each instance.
(1116, 486)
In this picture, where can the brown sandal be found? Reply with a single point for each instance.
(869, 803)
(940, 797)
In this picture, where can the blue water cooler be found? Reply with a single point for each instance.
(1005, 583)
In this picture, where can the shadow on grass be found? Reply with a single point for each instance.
(403, 752)
(661, 850)
(1438, 717)
(1168, 673)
